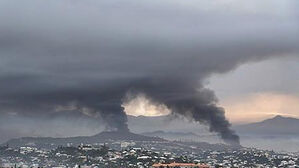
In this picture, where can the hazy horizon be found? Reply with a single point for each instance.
(71, 68)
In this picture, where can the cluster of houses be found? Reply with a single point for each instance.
(143, 155)
(179, 165)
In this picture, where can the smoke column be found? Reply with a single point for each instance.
(189, 99)
(85, 56)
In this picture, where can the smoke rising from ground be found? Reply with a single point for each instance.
(93, 52)
(193, 102)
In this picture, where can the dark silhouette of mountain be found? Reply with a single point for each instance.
(62, 125)
(161, 133)
(170, 135)
(279, 125)
(98, 138)
(167, 123)
(115, 135)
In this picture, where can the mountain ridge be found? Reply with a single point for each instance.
(277, 125)
(98, 138)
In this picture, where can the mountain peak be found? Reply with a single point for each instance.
(278, 125)
(281, 120)
(279, 117)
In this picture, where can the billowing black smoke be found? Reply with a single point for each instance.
(103, 102)
(112, 114)
(189, 99)
(85, 56)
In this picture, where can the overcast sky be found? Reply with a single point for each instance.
(91, 58)
(259, 90)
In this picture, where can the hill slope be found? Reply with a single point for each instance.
(169, 135)
(98, 138)
(278, 125)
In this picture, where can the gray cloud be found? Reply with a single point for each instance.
(93, 52)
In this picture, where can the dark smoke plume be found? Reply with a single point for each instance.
(63, 55)
(189, 99)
